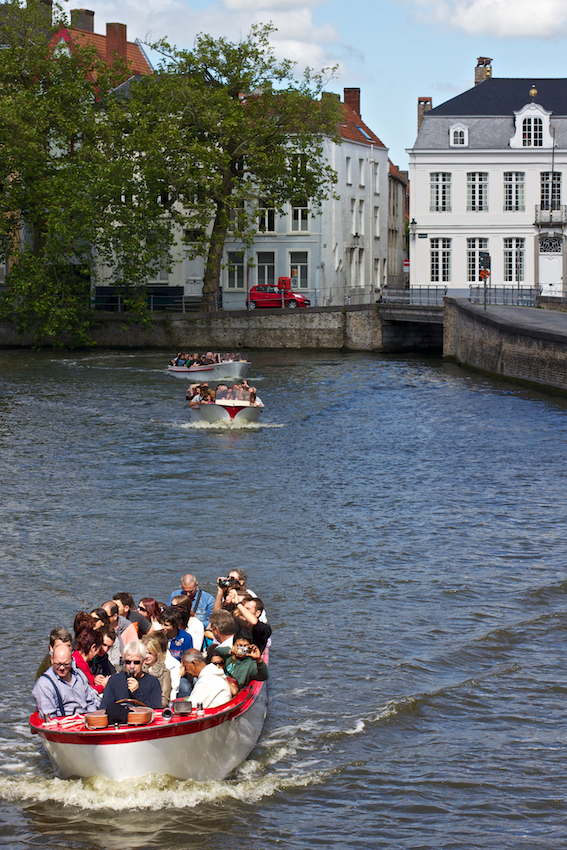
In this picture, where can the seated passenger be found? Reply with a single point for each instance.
(100, 666)
(193, 625)
(243, 660)
(133, 683)
(82, 621)
(100, 618)
(222, 628)
(214, 658)
(57, 637)
(63, 689)
(211, 688)
(247, 612)
(154, 664)
(127, 609)
(87, 646)
(151, 609)
(179, 641)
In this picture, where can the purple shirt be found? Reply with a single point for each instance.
(76, 695)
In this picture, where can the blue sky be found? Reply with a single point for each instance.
(394, 52)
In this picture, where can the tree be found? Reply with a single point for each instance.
(50, 198)
(218, 130)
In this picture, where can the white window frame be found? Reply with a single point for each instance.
(235, 270)
(475, 247)
(440, 191)
(299, 269)
(348, 166)
(477, 191)
(266, 218)
(299, 219)
(514, 260)
(263, 267)
(458, 136)
(440, 260)
(514, 191)
(550, 190)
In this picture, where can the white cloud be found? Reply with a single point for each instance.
(499, 18)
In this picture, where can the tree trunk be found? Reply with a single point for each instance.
(211, 279)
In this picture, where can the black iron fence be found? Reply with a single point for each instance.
(517, 296)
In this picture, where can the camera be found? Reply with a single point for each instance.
(228, 582)
(242, 650)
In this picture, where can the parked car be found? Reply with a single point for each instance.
(271, 296)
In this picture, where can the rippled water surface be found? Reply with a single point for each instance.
(404, 522)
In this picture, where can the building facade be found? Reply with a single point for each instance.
(486, 175)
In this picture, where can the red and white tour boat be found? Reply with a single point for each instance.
(231, 405)
(196, 746)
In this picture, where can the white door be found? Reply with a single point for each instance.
(193, 273)
(551, 274)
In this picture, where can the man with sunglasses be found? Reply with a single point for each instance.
(127, 608)
(63, 689)
(133, 683)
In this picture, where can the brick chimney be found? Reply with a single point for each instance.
(424, 104)
(483, 69)
(115, 42)
(82, 19)
(352, 99)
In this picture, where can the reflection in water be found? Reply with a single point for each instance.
(403, 522)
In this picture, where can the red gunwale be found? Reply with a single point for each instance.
(159, 728)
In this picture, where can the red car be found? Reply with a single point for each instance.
(271, 296)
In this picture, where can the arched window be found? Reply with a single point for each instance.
(458, 137)
(532, 133)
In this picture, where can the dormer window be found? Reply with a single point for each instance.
(458, 136)
(532, 128)
(532, 133)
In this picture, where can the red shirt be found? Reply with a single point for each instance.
(82, 665)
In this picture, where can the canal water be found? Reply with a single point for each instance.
(404, 522)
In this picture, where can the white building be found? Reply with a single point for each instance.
(336, 254)
(486, 179)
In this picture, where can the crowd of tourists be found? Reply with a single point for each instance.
(200, 647)
(208, 359)
(198, 394)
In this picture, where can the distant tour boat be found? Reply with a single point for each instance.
(223, 370)
(202, 745)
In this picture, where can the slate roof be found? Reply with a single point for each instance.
(353, 128)
(496, 96)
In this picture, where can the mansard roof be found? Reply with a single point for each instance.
(498, 97)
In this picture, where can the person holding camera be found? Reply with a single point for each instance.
(247, 612)
(201, 601)
(243, 660)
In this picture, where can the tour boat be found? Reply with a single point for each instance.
(227, 411)
(200, 746)
(227, 371)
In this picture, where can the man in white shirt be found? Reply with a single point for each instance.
(211, 687)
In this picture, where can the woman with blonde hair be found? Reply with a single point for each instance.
(155, 666)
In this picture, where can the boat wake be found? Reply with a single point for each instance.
(232, 425)
(152, 793)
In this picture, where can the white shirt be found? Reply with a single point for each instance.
(211, 688)
(174, 667)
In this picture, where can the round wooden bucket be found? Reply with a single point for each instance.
(96, 719)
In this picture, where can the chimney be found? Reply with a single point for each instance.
(352, 99)
(483, 69)
(424, 104)
(115, 42)
(82, 19)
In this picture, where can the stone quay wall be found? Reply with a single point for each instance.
(522, 343)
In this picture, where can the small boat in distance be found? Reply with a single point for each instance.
(209, 367)
(226, 404)
(202, 745)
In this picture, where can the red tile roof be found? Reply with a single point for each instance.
(353, 128)
(134, 55)
(395, 172)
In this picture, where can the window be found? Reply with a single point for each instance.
(353, 215)
(236, 220)
(235, 270)
(514, 191)
(265, 266)
(477, 191)
(440, 260)
(159, 275)
(458, 136)
(477, 258)
(348, 163)
(267, 218)
(298, 269)
(361, 277)
(376, 169)
(532, 132)
(377, 222)
(550, 190)
(300, 217)
(440, 197)
(361, 172)
(360, 229)
(514, 260)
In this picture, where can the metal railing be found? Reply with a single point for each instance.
(516, 296)
(420, 295)
(554, 216)
(155, 303)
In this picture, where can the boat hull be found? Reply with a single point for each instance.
(225, 413)
(200, 748)
(215, 372)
